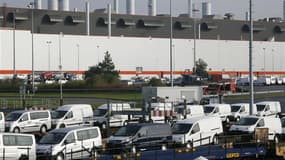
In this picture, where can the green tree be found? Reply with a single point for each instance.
(201, 68)
(103, 74)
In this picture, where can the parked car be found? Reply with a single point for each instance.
(197, 131)
(248, 124)
(221, 110)
(15, 146)
(141, 135)
(72, 115)
(268, 108)
(75, 142)
(28, 121)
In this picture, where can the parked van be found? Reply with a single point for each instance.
(101, 114)
(15, 146)
(28, 121)
(268, 108)
(141, 135)
(2, 122)
(159, 111)
(221, 110)
(72, 115)
(75, 142)
(197, 131)
(241, 110)
(249, 123)
(191, 111)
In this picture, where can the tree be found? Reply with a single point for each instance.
(201, 68)
(103, 74)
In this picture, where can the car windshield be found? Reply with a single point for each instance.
(52, 138)
(129, 130)
(181, 128)
(13, 116)
(100, 112)
(260, 107)
(208, 109)
(247, 121)
(58, 114)
(235, 108)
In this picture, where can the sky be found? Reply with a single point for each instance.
(261, 8)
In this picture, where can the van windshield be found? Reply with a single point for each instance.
(100, 112)
(129, 130)
(181, 128)
(180, 110)
(57, 114)
(208, 109)
(260, 107)
(13, 116)
(52, 138)
(247, 121)
(235, 108)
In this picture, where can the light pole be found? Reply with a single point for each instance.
(14, 44)
(195, 35)
(31, 6)
(48, 43)
(78, 60)
(264, 60)
(171, 43)
(272, 54)
(60, 69)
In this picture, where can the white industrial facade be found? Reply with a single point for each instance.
(152, 54)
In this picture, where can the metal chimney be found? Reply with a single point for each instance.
(131, 7)
(206, 9)
(38, 4)
(52, 4)
(152, 7)
(116, 6)
(63, 5)
(190, 8)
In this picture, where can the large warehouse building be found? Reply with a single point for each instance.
(44, 39)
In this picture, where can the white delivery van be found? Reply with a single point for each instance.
(197, 131)
(249, 123)
(191, 111)
(72, 115)
(17, 146)
(221, 110)
(116, 120)
(268, 108)
(2, 122)
(75, 142)
(28, 121)
(241, 110)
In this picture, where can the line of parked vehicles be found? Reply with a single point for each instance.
(75, 130)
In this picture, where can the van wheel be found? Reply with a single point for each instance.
(59, 156)
(24, 157)
(62, 126)
(43, 129)
(16, 130)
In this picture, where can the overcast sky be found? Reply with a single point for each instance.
(261, 8)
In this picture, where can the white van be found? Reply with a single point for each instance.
(15, 146)
(241, 110)
(221, 110)
(191, 111)
(101, 114)
(28, 121)
(197, 131)
(75, 142)
(268, 108)
(249, 123)
(72, 115)
(159, 111)
(2, 122)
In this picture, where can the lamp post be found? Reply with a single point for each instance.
(14, 44)
(264, 60)
(171, 43)
(195, 35)
(31, 6)
(78, 60)
(60, 69)
(48, 43)
(272, 54)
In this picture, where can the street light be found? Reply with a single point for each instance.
(171, 44)
(60, 69)
(14, 44)
(31, 6)
(195, 35)
(272, 54)
(49, 43)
